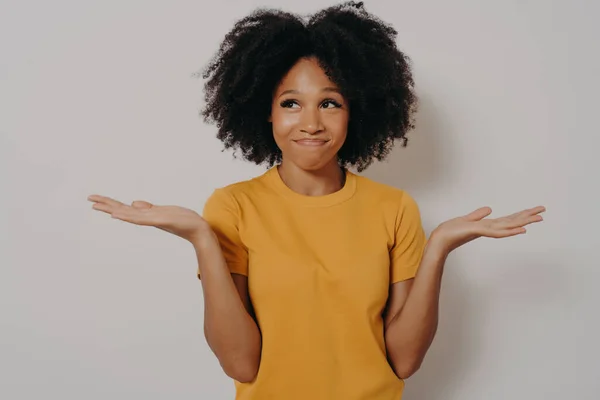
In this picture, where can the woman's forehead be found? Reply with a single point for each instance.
(306, 76)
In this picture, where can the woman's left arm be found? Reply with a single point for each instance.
(411, 316)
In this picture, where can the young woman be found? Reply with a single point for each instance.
(318, 283)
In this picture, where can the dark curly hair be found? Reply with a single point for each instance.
(356, 50)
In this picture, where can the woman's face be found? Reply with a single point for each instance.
(309, 116)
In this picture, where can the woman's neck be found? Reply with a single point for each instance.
(321, 182)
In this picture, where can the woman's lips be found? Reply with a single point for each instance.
(311, 142)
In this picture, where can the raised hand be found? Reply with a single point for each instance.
(456, 232)
(179, 221)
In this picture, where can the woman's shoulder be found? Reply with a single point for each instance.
(244, 188)
(387, 198)
(377, 189)
(233, 197)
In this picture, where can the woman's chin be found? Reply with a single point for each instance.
(312, 163)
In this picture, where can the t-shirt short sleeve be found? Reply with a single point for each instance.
(222, 213)
(409, 241)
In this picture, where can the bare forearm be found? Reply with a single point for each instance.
(230, 331)
(411, 332)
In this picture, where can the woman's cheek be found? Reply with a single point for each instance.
(283, 124)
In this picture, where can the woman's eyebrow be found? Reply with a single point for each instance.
(325, 89)
(330, 89)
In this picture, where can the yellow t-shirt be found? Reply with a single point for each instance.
(319, 270)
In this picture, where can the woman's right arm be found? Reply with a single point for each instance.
(229, 326)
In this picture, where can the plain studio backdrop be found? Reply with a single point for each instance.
(100, 97)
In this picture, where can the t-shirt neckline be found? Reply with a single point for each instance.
(345, 193)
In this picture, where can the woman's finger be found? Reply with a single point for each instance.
(497, 233)
(145, 216)
(102, 207)
(141, 205)
(106, 204)
(520, 218)
(105, 200)
(140, 212)
(523, 220)
(504, 228)
(532, 219)
(513, 232)
(528, 212)
(479, 214)
(537, 210)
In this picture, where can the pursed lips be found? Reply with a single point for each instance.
(311, 142)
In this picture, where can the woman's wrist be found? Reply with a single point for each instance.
(437, 247)
(204, 239)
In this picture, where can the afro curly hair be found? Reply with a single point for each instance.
(356, 50)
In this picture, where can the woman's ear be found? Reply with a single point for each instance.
(270, 119)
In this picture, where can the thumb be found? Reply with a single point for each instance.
(141, 205)
(479, 214)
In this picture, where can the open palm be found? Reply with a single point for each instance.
(461, 230)
(179, 221)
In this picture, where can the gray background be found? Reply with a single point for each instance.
(98, 97)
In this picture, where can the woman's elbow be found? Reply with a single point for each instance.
(239, 362)
(242, 371)
(407, 368)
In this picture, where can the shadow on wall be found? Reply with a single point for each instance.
(456, 351)
(461, 349)
(423, 164)
(420, 167)
(453, 354)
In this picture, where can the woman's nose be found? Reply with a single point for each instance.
(311, 121)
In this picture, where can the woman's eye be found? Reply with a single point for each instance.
(332, 102)
(288, 103)
(325, 104)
